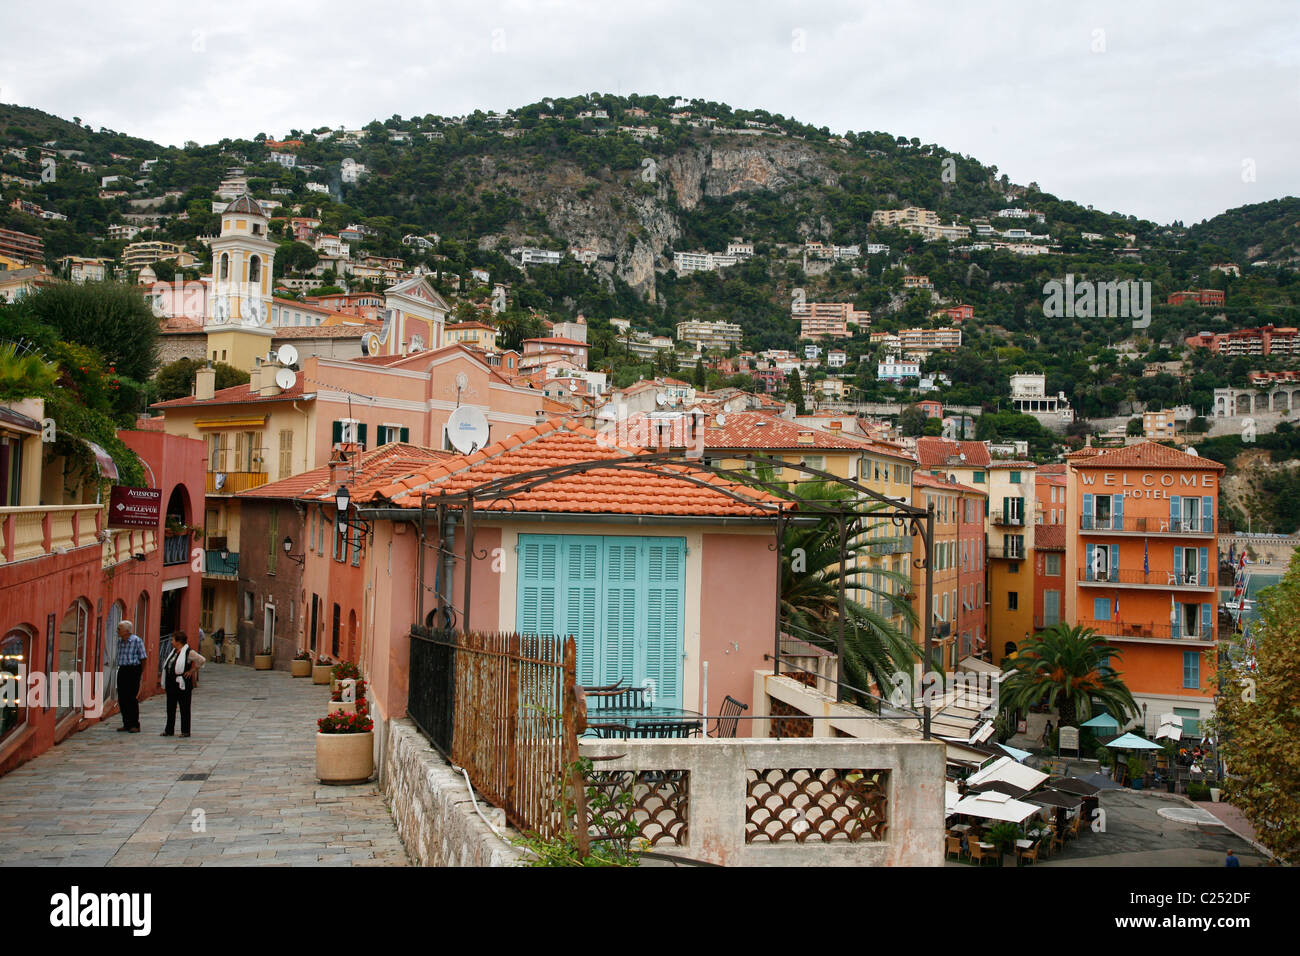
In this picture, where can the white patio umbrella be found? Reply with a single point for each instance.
(992, 805)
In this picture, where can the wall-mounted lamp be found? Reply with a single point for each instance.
(288, 549)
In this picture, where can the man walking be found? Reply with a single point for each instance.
(131, 655)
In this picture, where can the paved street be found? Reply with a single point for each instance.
(103, 798)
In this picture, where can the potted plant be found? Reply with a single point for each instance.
(322, 669)
(263, 661)
(357, 705)
(1137, 768)
(300, 666)
(1004, 836)
(345, 748)
(342, 671)
(1105, 759)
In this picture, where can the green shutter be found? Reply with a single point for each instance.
(665, 599)
(623, 567)
(538, 582)
(405, 434)
(361, 435)
(336, 432)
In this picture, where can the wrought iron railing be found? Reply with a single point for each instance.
(1163, 579)
(176, 549)
(1192, 525)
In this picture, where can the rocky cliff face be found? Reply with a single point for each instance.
(630, 219)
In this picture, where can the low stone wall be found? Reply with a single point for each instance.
(432, 808)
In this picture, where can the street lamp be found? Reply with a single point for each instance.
(288, 548)
(342, 501)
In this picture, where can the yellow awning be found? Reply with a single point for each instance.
(258, 420)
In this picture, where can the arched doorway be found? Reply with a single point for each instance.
(352, 636)
(116, 615)
(69, 656)
(15, 660)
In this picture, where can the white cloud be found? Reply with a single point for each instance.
(1156, 125)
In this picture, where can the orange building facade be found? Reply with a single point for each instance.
(1141, 569)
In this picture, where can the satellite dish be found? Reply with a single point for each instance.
(286, 355)
(467, 429)
(661, 398)
(370, 344)
(285, 378)
(1193, 452)
(573, 386)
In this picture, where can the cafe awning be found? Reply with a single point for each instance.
(1055, 798)
(1132, 742)
(996, 806)
(1015, 752)
(1101, 722)
(107, 467)
(1074, 785)
(1006, 769)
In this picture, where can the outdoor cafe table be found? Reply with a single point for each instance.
(636, 716)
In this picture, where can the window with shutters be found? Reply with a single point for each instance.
(622, 599)
(286, 452)
(1192, 669)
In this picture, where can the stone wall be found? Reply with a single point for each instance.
(432, 808)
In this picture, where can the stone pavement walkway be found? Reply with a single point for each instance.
(103, 798)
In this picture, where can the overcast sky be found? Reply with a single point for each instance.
(1164, 110)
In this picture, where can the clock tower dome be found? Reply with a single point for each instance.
(238, 321)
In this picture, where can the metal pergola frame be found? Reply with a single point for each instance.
(789, 508)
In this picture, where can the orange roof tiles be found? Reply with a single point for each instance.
(381, 464)
(236, 395)
(920, 478)
(597, 491)
(1145, 454)
(1049, 537)
(935, 452)
(761, 431)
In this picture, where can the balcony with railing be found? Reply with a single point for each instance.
(1152, 630)
(233, 482)
(221, 564)
(1110, 524)
(1009, 519)
(1007, 552)
(34, 531)
(1164, 580)
(176, 549)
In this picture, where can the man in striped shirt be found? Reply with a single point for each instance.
(131, 655)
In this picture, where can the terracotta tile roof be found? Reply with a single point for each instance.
(1145, 454)
(143, 423)
(1011, 463)
(237, 395)
(1049, 537)
(1055, 468)
(598, 491)
(935, 452)
(920, 478)
(557, 340)
(180, 325)
(761, 431)
(322, 331)
(381, 464)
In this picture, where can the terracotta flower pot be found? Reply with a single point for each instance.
(263, 662)
(345, 758)
(320, 674)
(300, 668)
(346, 706)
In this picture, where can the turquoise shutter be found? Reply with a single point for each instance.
(1178, 620)
(1178, 564)
(1204, 579)
(1113, 568)
(1207, 622)
(1091, 559)
(539, 556)
(665, 599)
(1117, 513)
(1087, 511)
(1207, 514)
(622, 580)
(582, 579)
(1175, 512)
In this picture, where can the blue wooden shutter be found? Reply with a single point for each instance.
(582, 582)
(1204, 579)
(622, 582)
(1113, 568)
(539, 560)
(1090, 572)
(1207, 514)
(665, 597)
(1087, 511)
(1177, 622)
(1117, 513)
(1207, 621)
(1178, 564)
(1175, 513)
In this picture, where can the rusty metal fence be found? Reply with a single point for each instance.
(504, 707)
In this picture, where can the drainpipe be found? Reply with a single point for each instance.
(306, 437)
(448, 561)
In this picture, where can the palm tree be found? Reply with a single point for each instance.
(1069, 668)
(874, 647)
(23, 373)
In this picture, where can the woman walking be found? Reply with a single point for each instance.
(179, 673)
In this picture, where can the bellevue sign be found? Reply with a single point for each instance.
(134, 507)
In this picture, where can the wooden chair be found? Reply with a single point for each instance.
(978, 854)
(729, 718)
(954, 846)
(1076, 825)
(1057, 841)
(1027, 853)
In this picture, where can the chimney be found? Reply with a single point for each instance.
(806, 438)
(835, 428)
(205, 383)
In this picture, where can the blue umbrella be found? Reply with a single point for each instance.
(1133, 742)
(1102, 722)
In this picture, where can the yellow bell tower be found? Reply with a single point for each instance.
(239, 307)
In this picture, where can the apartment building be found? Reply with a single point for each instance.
(140, 254)
(22, 246)
(905, 217)
(718, 336)
(929, 340)
(1265, 340)
(1196, 297)
(1142, 569)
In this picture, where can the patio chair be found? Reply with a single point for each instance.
(978, 854)
(729, 718)
(1058, 841)
(1030, 854)
(665, 728)
(610, 731)
(620, 698)
(1076, 825)
(954, 846)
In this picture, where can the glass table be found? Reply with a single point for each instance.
(651, 721)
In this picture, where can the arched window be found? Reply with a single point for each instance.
(225, 266)
(1009, 649)
(255, 269)
(70, 655)
(15, 656)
